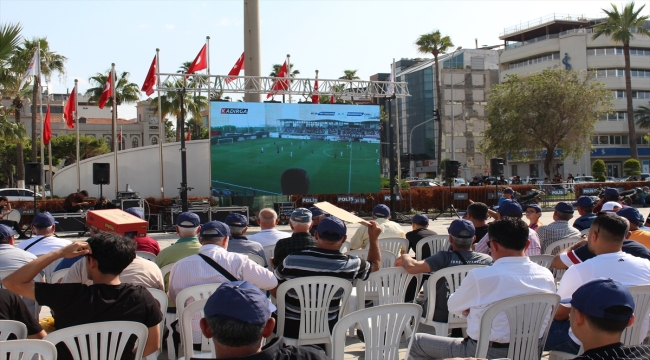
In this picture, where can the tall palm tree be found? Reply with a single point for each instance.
(620, 27)
(171, 105)
(9, 40)
(195, 80)
(435, 44)
(349, 75)
(277, 67)
(126, 93)
(51, 62)
(643, 116)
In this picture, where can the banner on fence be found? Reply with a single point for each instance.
(460, 196)
(397, 197)
(309, 199)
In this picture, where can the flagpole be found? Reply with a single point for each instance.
(161, 126)
(49, 146)
(209, 120)
(288, 75)
(76, 116)
(397, 136)
(40, 114)
(316, 92)
(114, 121)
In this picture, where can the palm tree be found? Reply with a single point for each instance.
(643, 116)
(9, 40)
(435, 44)
(277, 67)
(126, 93)
(620, 27)
(171, 105)
(349, 75)
(195, 80)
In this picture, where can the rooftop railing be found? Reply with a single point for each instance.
(543, 20)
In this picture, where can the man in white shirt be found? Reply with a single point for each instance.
(605, 239)
(389, 229)
(269, 235)
(44, 242)
(512, 274)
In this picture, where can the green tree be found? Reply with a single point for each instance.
(435, 44)
(549, 111)
(125, 92)
(64, 147)
(277, 67)
(9, 40)
(598, 170)
(349, 75)
(171, 104)
(632, 167)
(642, 116)
(620, 27)
(10, 132)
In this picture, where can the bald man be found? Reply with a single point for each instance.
(269, 235)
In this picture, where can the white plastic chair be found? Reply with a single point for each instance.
(169, 318)
(58, 275)
(526, 315)
(8, 327)
(387, 257)
(268, 251)
(161, 297)
(49, 270)
(257, 259)
(146, 255)
(436, 243)
(95, 337)
(382, 328)
(384, 287)
(454, 276)
(26, 349)
(345, 247)
(207, 347)
(542, 260)
(394, 245)
(314, 294)
(557, 246)
(165, 270)
(198, 292)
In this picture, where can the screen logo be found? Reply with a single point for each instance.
(355, 114)
(326, 113)
(234, 111)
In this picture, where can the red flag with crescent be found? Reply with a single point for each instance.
(107, 91)
(200, 62)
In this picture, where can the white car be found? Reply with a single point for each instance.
(16, 194)
(459, 182)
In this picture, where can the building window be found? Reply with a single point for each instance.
(135, 142)
(617, 51)
(533, 170)
(640, 140)
(606, 73)
(514, 170)
(620, 94)
(154, 140)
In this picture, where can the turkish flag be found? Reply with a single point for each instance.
(189, 136)
(150, 80)
(332, 99)
(239, 66)
(282, 83)
(47, 128)
(314, 97)
(70, 108)
(200, 63)
(107, 90)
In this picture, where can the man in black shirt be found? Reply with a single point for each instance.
(12, 307)
(477, 213)
(420, 224)
(300, 239)
(76, 202)
(107, 299)
(600, 312)
(238, 317)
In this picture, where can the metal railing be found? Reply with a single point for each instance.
(543, 20)
(531, 41)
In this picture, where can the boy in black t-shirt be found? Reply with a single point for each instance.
(106, 300)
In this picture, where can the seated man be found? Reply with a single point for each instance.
(600, 312)
(12, 307)
(316, 216)
(106, 300)
(145, 243)
(585, 206)
(5, 210)
(76, 202)
(389, 229)
(559, 229)
(43, 226)
(326, 260)
(636, 219)
(300, 239)
(510, 208)
(238, 243)
(188, 226)
(507, 195)
(512, 274)
(419, 224)
(267, 219)
(238, 317)
(477, 213)
(609, 195)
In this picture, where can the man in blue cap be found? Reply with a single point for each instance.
(420, 225)
(600, 312)
(507, 195)
(238, 317)
(238, 243)
(300, 239)
(145, 243)
(585, 207)
(316, 216)
(636, 220)
(610, 194)
(559, 229)
(389, 229)
(188, 226)
(510, 209)
(44, 241)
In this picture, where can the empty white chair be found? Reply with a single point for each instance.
(384, 286)
(198, 292)
(382, 328)
(88, 341)
(557, 246)
(454, 276)
(146, 255)
(394, 245)
(8, 327)
(161, 297)
(194, 310)
(58, 275)
(526, 314)
(26, 349)
(542, 260)
(257, 259)
(436, 243)
(314, 294)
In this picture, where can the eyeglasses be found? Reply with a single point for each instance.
(530, 211)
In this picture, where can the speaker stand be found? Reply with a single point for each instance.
(450, 208)
(35, 209)
(101, 193)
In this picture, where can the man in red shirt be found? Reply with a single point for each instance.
(145, 243)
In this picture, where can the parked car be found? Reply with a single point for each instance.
(584, 179)
(641, 177)
(421, 183)
(611, 179)
(459, 182)
(16, 194)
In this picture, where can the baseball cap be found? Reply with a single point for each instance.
(564, 208)
(43, 220)
(214, 229)
(301, 215)
(188, 220)
(508, 191)
(332, 225)
(534, 206)
(235, 219)
(508, 207)
(6, 232)
(420, 219)
(381, 210)
(584, 202)
(316, 211)
(609, 206)
(239, 301)
(135, 212)
(632, 214)
(594, 297)
(611, 192)
(461, 228)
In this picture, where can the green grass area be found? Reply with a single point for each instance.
(355, 168)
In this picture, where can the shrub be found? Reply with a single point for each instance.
(632, 167)
(598, 169)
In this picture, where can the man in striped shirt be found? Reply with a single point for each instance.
(560, 228)
(326, 260)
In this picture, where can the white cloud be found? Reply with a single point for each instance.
(170, 26)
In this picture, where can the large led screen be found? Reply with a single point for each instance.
(276, 148)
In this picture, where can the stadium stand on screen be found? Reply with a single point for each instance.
(275, 148)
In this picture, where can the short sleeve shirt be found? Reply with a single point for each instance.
(297, 242)
(642, 236)
(12, 307)
(415, 236)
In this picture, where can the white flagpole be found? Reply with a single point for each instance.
(40, 114)
(114, 121)
(76, 117)
(397, 134)
(161, 126)
(207, 40)
(49, 146)
(288, 75)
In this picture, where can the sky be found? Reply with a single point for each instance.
(328, 35)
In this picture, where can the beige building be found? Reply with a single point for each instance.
(555, 41)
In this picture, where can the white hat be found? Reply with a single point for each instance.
(609, 206)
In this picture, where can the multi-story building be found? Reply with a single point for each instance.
(555, 41)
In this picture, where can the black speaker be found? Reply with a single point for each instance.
(33, 173)
(496, 166)
(101, 173)
(451, 168)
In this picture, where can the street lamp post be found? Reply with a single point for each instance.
(451, 75)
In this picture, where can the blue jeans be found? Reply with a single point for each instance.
(559, 339)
